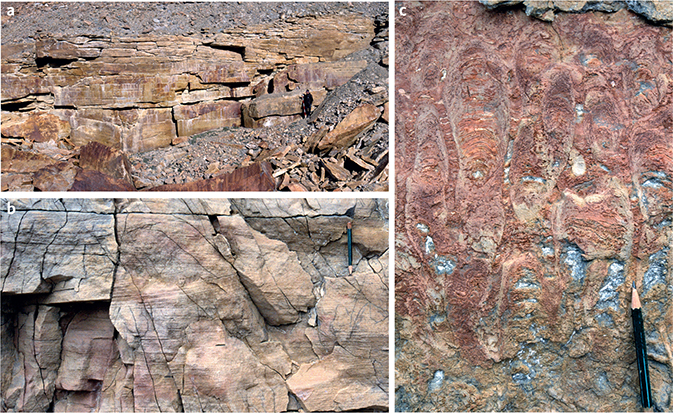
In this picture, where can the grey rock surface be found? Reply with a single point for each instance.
(656, 11)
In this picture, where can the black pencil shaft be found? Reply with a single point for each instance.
(350, 247)
(641, 357)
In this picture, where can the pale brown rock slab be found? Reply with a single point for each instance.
(193, 119)
(228, 376)
(200, 206)
(272, 274)
(345, 133)
(331, 384)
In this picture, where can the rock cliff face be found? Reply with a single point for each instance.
(194, 305)
(149, 88)
(534, 184)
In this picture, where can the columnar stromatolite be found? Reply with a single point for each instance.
(193, 305)
(534, 183)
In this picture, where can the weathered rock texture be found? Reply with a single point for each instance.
(64, 87)
(194, 305)
(534, 184)
(656, 11)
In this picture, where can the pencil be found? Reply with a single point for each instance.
(350, 214)
(641, 348)
(350, 248)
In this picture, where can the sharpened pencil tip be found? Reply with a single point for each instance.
(634, 284)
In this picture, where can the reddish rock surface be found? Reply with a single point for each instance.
(534, 184)
(105, 160)
(37, 127)
(256, 177)
(92, 180)
(58, 177)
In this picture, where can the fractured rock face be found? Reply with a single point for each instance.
(33, 360)
(533, 186)
(70, 255)
(194, 307)
(88, 350)
(37, 127)
(277, 283)
(228, 376)
(346, 344)
(205, 116)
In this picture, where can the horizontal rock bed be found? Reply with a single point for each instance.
(152, 90)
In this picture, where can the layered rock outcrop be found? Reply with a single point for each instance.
(534, 184)
(194, 304)
(153, 88)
